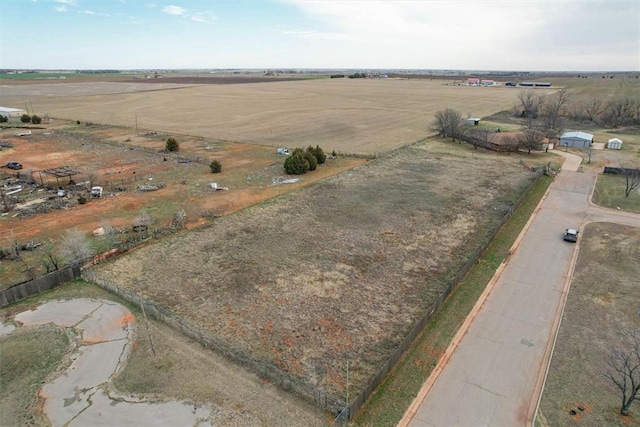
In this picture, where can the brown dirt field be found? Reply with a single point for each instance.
(337, 271)
(348, 115)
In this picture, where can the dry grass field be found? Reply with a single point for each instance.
(337, 271)
(346, 115)
(602, 304)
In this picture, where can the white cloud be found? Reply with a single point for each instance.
(204, 17)
(69, 2)
(489, 34)
(174, 10)
(60, 8)
(313, 35)
(91, 12)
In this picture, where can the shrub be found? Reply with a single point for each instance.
(296, 163)
(311, 159)
(215, 166)
(36, 120)
(25, 118)
(82, 200)
(318, 154)
(172, 145)
(4, 119)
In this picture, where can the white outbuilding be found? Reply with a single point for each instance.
(576, 139)
(614, 144)
(11, 112)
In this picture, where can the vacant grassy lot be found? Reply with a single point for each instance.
(601, 307)
(27, 359)
(346, 115)
(337, 271)
(609, 192)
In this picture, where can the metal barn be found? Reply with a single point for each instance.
(576, 139)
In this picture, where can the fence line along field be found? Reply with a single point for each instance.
(346, 115)
(333, 272)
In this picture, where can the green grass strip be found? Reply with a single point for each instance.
(389, 402)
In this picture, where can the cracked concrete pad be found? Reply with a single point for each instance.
(107, 412)
(67, 395)
(107, 323)
(6, 329)
(64, 313)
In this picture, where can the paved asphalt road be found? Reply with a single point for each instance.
(495, 374)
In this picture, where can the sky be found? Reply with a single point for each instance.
(509, 35)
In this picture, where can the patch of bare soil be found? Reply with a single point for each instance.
(334, 272)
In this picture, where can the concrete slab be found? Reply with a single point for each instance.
(108, 322)
(65, 313)
(6, 329)
(77, 396)
(68, 394)
(107, 412)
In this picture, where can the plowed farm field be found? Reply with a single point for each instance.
(346, 115)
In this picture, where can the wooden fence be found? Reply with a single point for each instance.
(35, 286)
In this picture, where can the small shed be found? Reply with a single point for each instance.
(473, 121)
(614, 144)
(576, 139)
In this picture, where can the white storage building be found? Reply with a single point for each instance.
(614, 144)
(11, 112)
(576, 139)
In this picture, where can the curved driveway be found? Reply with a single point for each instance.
(493, 373)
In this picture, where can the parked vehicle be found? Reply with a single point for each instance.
(96, 191)
(284, 151)
(571, 235)
(14, 165)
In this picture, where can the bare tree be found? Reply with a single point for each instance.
(530, 140)
(552, 112)
(75, 247)
(624, 371)
(620, 111)
(593, 108)
(510, 142)
(50, 260)
(448, 122)
(530, 104)
(632, 180)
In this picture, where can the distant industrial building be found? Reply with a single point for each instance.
(576, 139)
(10, 113)
(535, 84)
(487, 83)
(473, 81)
